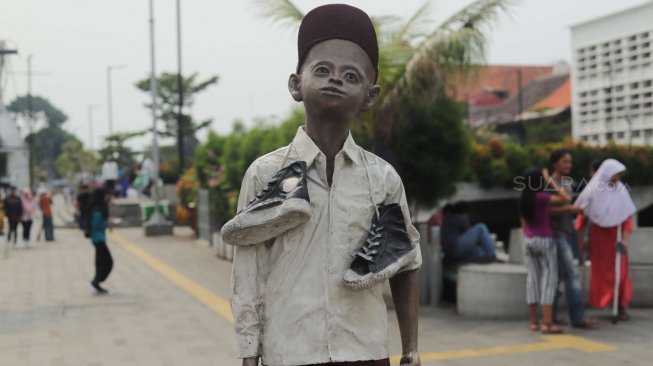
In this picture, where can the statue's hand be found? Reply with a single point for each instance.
(410, 359)
(250, 361)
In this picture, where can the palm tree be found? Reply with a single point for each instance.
(413, 59)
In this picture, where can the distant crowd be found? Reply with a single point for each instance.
(22, 211)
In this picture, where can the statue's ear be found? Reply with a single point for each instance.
(372, 94)
(294, 87)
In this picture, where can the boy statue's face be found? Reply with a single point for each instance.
(336, 80)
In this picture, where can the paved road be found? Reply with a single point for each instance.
(168, 306)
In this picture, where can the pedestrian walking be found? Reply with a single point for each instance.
(14, 211)
(608, 208)
(539, 192)
(45, 204)
(110, 175)
(29, 210)
(99, 218)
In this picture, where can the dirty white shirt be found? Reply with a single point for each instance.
(289, 301)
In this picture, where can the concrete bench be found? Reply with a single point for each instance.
(641, 246)
(129, 211)
(642, 278)
(494, 291)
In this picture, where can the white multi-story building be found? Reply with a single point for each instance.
(612, 78)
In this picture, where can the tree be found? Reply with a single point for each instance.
(40, 106)
(416, 61)
(438, 151)
(74, 159)
(116, 148)
(48, 141)
(168, 99)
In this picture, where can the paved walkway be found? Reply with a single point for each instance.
(167, 307)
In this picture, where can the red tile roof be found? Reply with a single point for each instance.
(495, 77)
(560, 98)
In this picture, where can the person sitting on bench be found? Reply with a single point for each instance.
(462, 242)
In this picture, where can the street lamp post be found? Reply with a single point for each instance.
(109, 101)
(156, 225)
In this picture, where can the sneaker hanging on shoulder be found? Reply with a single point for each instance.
(281, 206)
(387, 250)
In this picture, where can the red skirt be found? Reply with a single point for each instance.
(602, 255)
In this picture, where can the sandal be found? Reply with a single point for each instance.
(562, 322)
(551, 329)
(585, 323)
(534, 327)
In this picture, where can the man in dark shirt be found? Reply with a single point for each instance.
(13, 210)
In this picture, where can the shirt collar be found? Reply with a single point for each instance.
(307, 150)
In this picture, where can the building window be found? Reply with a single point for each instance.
(608, 136)
(635, 134)
(646, 83)
(620, 135)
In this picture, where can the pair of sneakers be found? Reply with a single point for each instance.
(285, 204)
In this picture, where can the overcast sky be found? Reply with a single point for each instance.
(73, 41)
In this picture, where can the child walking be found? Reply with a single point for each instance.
(540, 252)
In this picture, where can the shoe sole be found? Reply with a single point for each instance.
(260, 226)
(357, 282)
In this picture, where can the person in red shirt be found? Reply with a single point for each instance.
(45, 204)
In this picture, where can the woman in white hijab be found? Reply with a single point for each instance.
(606, 204)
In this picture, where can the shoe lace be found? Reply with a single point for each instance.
(265, 190)
(368, 251)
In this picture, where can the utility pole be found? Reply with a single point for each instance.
(180, 90)
(156, 225)
(109, 101)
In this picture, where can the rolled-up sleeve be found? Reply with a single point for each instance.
(397, 194)
(246, 298)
